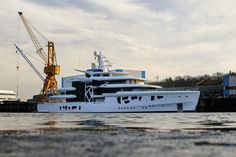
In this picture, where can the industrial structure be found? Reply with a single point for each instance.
(51, 68)
(229, 84)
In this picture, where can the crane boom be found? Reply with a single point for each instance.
(29, 62)
(39, 48)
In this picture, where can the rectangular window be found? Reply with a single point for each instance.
(118, 100)
(152, 98)
(125, 98)
(134, 97)
(159, 97)
(180, 107)
(126, 101)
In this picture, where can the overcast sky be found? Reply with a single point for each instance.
(164, 37)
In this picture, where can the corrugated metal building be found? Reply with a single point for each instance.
(230, 84)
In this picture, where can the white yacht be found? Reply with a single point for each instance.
(100, 89)
(7, 95)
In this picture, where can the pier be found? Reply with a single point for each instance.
(17, 106)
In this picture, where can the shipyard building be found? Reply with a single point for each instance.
(229, 84)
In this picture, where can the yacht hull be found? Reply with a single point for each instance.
(127, 102)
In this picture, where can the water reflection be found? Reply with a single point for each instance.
(92, 122)
(148, 122)
(208, 143)
(160, 134)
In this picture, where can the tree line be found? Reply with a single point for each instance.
(181, 81)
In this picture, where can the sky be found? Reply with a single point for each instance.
(167, 38)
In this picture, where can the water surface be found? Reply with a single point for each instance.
(132, 134)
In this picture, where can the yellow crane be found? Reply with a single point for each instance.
(51, 68)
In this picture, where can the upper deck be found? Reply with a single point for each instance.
(7, 95)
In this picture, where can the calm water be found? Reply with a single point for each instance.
(154, 134)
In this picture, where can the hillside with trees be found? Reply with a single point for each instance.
(184, 81)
